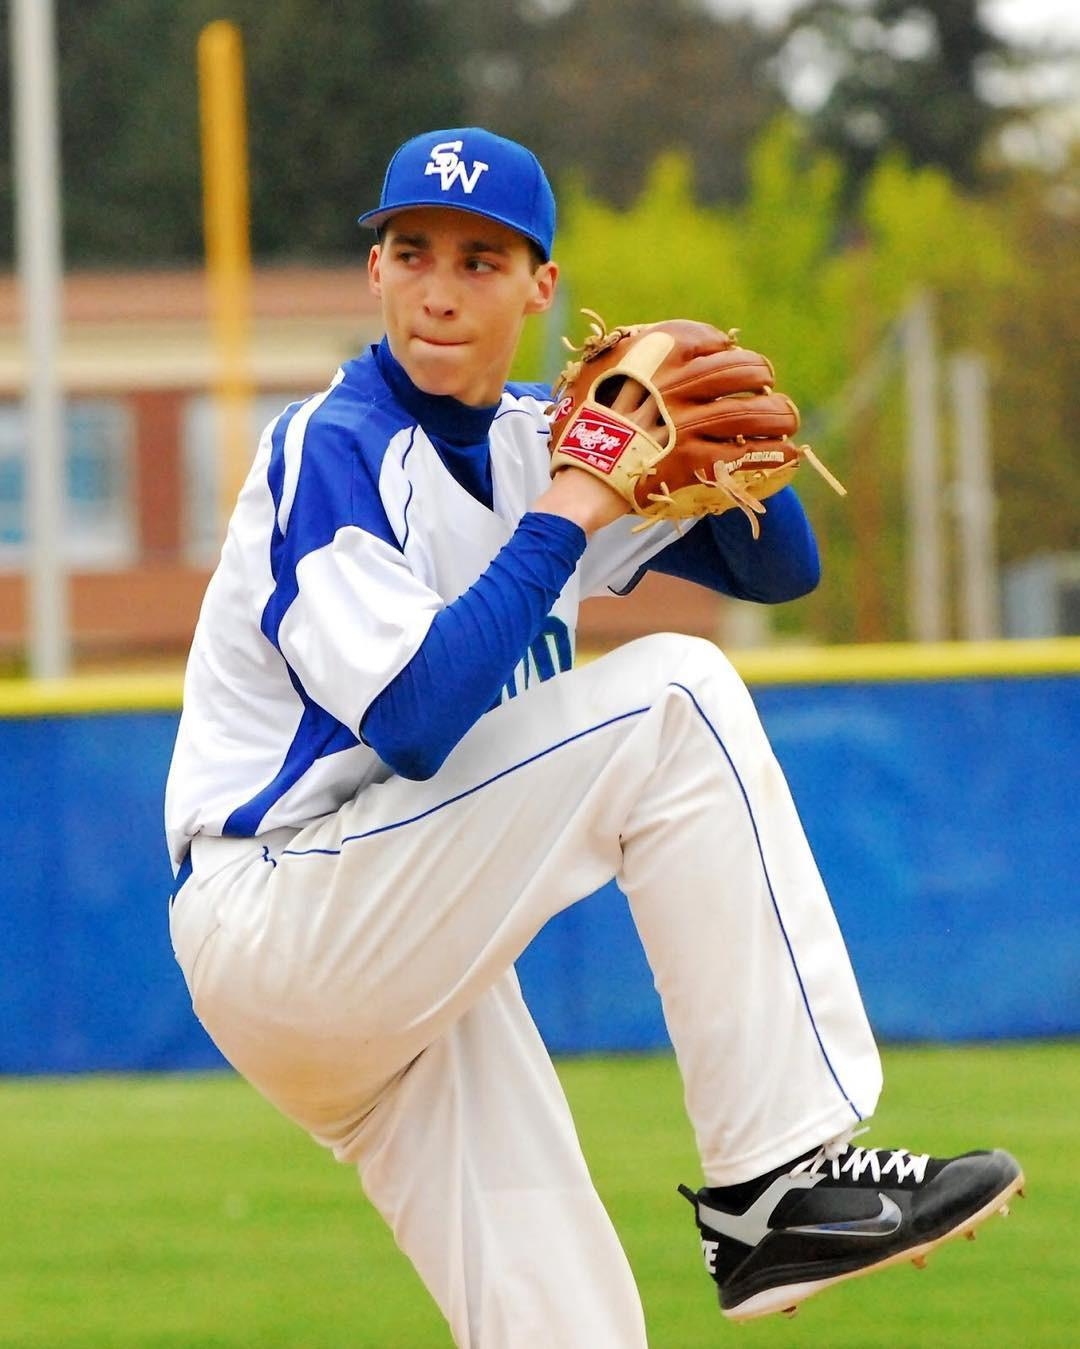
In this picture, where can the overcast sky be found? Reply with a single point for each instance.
(1030, 19)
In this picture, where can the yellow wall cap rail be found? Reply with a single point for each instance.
(884, 663)
(902, 661)
(90, 693)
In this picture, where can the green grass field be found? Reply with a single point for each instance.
(182, 1212)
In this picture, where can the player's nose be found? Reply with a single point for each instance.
(440, 294)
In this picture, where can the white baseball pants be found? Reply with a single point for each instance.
(359, 972)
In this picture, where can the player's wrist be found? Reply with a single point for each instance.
(580, 497)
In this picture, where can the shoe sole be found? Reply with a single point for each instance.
(788, 1298)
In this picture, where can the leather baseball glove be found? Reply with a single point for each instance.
(679, 419)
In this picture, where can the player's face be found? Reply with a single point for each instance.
(455, 290)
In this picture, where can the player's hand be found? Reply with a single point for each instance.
(580, 497)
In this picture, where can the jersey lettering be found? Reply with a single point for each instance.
(550, 653)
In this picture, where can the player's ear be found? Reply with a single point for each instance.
(544, 281)
(374, 276)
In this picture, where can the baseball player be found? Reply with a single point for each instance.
(388, 776)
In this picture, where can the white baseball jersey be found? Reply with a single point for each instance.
(350, 534)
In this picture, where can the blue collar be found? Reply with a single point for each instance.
(442, 417)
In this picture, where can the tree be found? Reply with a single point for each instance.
(822, 297)
(330, 86)
(333, 85)
(766, 267)
(602, 88)
(1033, 335)
(904, 74)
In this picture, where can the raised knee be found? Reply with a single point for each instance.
(676, 651)
(700, 669)
(696, 660)
(675, 661)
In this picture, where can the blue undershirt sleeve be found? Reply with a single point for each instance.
(472, 647)
(722, 553)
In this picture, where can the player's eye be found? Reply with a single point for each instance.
(480, 265)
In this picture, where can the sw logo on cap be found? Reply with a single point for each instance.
(444, 161)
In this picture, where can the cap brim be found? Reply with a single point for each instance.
(373, 219)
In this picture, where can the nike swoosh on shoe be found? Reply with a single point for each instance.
(882, 1224)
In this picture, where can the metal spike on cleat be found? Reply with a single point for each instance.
(970, 1235)
(789, 1312)
(1004, 1210)
(919, 1261)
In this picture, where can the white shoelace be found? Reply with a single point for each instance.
(839, 1157)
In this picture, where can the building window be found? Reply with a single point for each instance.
(202, 517)
(97, 529)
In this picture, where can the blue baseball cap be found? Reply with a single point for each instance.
(470, 169)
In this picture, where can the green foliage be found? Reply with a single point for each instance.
(787, 234)
(822, 292)
(330, 87)
(1031, 339)
(665, 254)
(333, 86)
(762, 267)
(917, 232)
(925, 233)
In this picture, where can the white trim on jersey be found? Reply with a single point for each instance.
(294, 450)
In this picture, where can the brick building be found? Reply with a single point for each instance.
(142, 526)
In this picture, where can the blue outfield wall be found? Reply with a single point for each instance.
(942, 812)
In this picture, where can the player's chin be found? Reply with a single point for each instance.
(440, 367)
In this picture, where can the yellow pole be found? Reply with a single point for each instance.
(226, 227)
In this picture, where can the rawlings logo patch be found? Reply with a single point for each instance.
(596, 439)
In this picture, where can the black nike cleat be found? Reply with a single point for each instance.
(841, 1212)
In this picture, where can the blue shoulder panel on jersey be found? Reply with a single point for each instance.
(336, 486)
(525, 390)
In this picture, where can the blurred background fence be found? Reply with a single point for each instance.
(935, 791)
